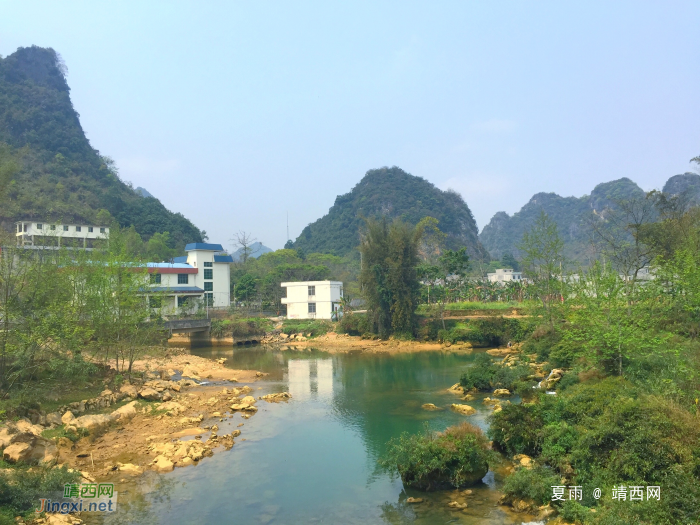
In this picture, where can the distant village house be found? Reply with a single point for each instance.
(312, 299)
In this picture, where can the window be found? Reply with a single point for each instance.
(155, 278)
(182, 299)
(102, 230)
(53, 226)
(89, 229)
(39, 226)
(183, 278)
(208, 287)
(312, 308)
(209, 298)
(208, 274)
(208, 265)
(78, 228)
(312, 292)
(65, 228)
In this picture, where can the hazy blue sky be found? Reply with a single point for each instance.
(234, 113)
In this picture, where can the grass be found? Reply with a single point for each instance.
(306, 326)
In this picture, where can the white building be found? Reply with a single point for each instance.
(504, 275)
(201, 274)
(312, 299)
(32, 234)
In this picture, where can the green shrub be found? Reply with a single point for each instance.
(508, 376)
(353, 324)
(531, 484)
(60, 431)
(541, 341)
(431, 461)
(307, 326)
(20, 489)
(479, 376)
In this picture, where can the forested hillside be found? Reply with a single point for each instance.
(571, 214)
(391, 193)
(62, 177)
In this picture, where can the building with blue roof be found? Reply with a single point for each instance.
(203, 274)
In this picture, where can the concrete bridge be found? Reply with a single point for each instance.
(195, 332)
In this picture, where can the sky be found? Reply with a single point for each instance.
(238, 113)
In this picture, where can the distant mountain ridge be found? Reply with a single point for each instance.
(504, 233)
(62, 177)
(391, 193)
(255, 250)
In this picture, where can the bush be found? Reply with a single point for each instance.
(455, 458)
(353, 324)
(541, 341)
(485, 374)
(601, 434)
(479, 376)
(531, 484)
(20, 489)
(307, 326)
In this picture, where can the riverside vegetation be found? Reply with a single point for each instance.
(623, 356)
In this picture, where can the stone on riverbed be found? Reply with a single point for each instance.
(430, 406)
(463, 409)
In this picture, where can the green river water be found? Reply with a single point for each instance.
(314, 459)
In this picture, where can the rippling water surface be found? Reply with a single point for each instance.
(313, 459)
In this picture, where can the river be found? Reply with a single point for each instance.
(314, 459)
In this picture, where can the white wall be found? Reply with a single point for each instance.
(327, 296)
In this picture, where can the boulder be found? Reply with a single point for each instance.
(94, 422)
(163, 464)
(150, 394)
(275, 398)
(523, 460)
(463, 409)
(456, 389)
(67, 418)
(414, 500)
(185, 462)
(6, 436)
(125, 412)
(248, 400)
(17, 452)
(53, 419)
(430, 406)
(457, 505)
(129, 390)
(167, 396)
(191, 371)
(28, 448)
(130, 468)
(502, 392)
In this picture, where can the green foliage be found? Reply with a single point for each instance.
(258, 280)
(315, 327)
(21, 488)
(240, 327)
(609, 433)
(431, 461)
(60, 431)
(479, 376)
(388, 277)
(487, 375)
(492, 332)
(391, 193)
(61, 177)
(353, 324)
(531, 484)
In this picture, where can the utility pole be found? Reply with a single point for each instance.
(288, 225)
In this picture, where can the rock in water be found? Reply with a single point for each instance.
(463, 409)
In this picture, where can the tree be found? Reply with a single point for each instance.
(619, 235)
(389, 277)
(508, 261)
(543, 261)
(244, 241)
